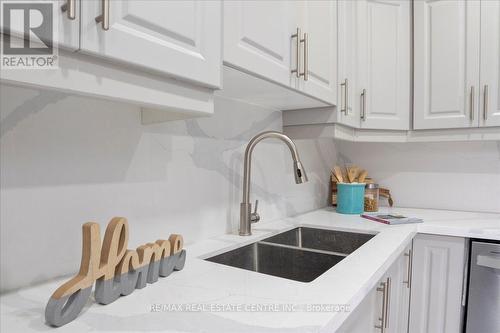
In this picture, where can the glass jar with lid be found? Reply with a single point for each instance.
(371, 197)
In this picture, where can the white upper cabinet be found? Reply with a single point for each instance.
(348, 105)
(66, 24)
(374, 64)
(383, 89)
(260, 38)
(490, 64)
(320, 24)
(446, 68)
(163, 56)
(178, 38)
(257, 38)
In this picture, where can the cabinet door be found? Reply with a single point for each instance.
(257, 38)
(403, 317)
(437, 281)
(384, 64)
(67, 31)
(178, 38)
(490, 63)
(399, 293)
(348, 103)
(446, 63)
(365, 316)
(320, 24)
(386, 307)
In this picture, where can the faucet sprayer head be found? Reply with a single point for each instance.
(299, 172)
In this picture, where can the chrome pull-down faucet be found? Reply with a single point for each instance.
(246, 215)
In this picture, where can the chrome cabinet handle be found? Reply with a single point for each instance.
(383, 290)
(299, 42)
(305, 73)
(70, 8)
(104, 17)
(387, 301)
(409, 269)
(297, 52)
(485, 106)
(363, 105)
(345, 84)
(472, 103)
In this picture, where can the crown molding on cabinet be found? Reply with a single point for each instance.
(341, 132)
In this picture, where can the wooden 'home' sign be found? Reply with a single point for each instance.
(116, 270)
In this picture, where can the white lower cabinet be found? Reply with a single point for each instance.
(437, 284)
(385, 308)
(364, 317)
(399, 276)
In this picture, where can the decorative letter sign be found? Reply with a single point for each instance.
(115, 270)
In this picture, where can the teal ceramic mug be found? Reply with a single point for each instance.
(350, 198)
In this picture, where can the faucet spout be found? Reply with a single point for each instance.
(246, 216)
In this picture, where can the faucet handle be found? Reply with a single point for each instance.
(254, 217)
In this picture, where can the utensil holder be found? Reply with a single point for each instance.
(350, 198)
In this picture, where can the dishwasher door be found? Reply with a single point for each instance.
(483, 305)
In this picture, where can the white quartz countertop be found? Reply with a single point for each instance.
(209, 297)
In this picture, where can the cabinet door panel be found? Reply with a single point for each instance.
(347, 63)
(66, 34)
(446, 63)
(321, 26)
(490, 63)
(437, 281)
(364, 318)
(367, 316)
(178, 38)
(384, 64)
(257, 37)
(399, 306)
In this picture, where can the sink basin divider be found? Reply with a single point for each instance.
(304, 248)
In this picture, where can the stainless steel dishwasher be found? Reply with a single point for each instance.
(483, 304)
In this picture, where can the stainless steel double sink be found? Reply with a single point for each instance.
(301, 254)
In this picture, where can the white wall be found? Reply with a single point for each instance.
(66, 160)
(447, 175)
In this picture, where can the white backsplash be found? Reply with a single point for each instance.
(445, 175)
(66, 160)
